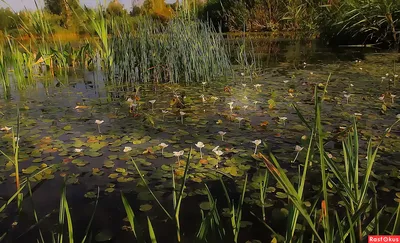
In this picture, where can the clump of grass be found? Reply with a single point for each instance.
(362, 215)
(177, 196)
(184, 50)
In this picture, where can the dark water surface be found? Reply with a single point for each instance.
(52, 128)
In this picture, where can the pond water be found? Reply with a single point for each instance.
(58, 128)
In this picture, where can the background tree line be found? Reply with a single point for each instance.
(346, 21)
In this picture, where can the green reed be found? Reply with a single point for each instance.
(184, 50)
(362, 215)
(4, 76)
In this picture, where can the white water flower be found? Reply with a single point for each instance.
(245, 98)
(297, 148)
(203, 99)
(16, 139)
(127, 149)
(215, 149)
(255, 104)
(357, 114)
(285, 81)
(218, 152)
(200, 145)
(214, 98)
(130, 100)
(351, 85)
(242, 74)
(347, 96)
(283, 119)
(203, 83)
(257, 86)
(5, 128)
(99, 122)
(178, 154)
(245, 107)
(230, 106)
(163, 146)
(239, 119)
(256, 142)
(77, 150)
(152, 104)
(222, 134)
(382, 97)
(244, 85)
(182, 114)
(392, 96)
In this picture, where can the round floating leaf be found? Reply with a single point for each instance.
(244, 224)
(90, 195)
(205, 205)
(166, 167)
(124, 179)
(30, 169)
(109, 189)
(108, 164)
(145, 207)
(281, 195)
(113, 176)
(103, 236)
(67, 128)
(120, 170)
(93, 153)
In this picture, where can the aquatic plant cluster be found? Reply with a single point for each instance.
(184, 50)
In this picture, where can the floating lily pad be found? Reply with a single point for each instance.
(145, 207)
(67, 128)
(104, 235)
(108, 164)
(30, 169)
(90, 195)
(205, 205)
(109, 189)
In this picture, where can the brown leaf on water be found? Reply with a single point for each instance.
(81, 107)
(149, 150)
(203, 161)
